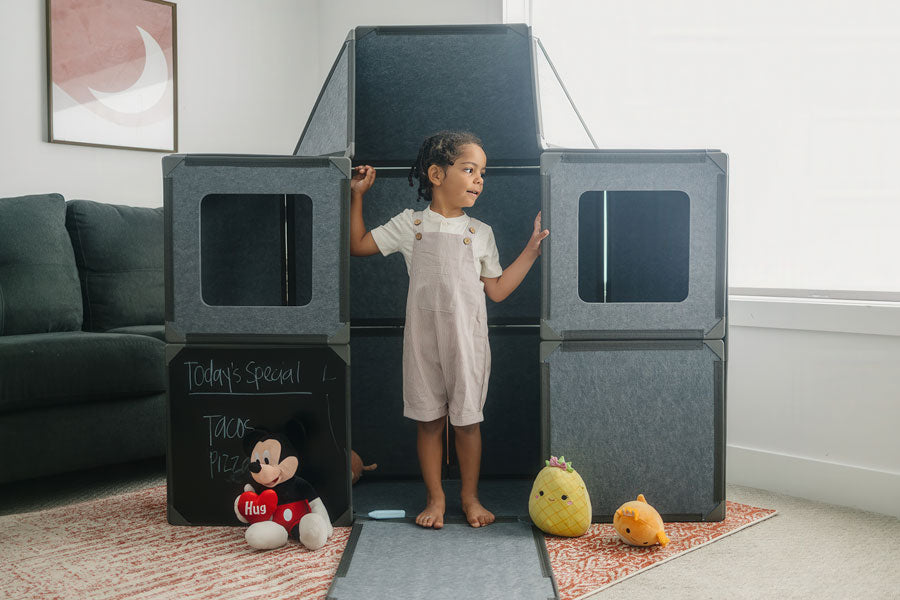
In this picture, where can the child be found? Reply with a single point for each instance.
(452, 262)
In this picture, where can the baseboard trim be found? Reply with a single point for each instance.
(857, 487)
(868, 317)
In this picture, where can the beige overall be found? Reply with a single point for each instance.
(446, 356)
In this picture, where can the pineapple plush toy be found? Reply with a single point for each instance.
(559, 503)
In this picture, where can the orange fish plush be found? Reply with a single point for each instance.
(638, 524)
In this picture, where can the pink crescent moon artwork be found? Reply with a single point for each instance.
(112, 72)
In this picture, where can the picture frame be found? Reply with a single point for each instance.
(112, 74)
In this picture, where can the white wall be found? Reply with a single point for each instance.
(814, 399)
(247, 79)
(248, 75)
(803, 97)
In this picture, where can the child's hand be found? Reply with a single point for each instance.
(363, 178)
(537, 236)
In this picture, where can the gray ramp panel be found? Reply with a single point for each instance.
(639, 418)
(402, 560)
(413, 81)
(256, 248)
(328, 130)
(666, 231)
(509, 204)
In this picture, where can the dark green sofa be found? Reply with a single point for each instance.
(82, 363)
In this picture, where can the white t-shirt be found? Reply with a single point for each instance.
(397, 235)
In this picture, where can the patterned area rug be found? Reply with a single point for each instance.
(122, 548)
(598, 559)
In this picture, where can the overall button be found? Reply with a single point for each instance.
(471, 230)
(417, 222)
(418, 236)
(467, 241)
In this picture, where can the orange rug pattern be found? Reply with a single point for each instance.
(598, 559)
(122, 548)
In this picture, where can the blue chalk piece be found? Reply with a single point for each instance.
(387, 514)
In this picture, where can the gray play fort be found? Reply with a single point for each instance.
(612, 351)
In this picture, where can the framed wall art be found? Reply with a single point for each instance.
(112, 73)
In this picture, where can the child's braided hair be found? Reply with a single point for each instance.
(440, 149)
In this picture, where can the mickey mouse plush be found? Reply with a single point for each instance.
(279, 502)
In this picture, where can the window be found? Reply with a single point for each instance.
(256, 249)
(633, 246)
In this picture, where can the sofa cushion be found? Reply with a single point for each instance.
(119, 252)
(69, 368)
(157, 331)
(39, 289)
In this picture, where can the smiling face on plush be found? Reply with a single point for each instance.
(559, 502)
(273, 461)
(638, 524)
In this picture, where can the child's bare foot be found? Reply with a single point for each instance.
(476, 514)
(433, 515)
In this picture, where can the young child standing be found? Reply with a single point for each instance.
(453, 263)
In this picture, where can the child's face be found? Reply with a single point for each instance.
(463, 181)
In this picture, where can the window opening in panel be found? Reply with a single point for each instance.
(256, 249)
(633, 246)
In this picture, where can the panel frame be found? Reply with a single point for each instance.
(702, 315)
(479, 29)
(349, 47)
(174, 468)
(325, 319)
(719, 375)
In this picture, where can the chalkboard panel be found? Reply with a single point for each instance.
(219, 393)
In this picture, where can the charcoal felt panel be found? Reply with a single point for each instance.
(242, 259)
(256, 249)
(328, 129)
(510, 432)
(511, 426)
(639, 418)
(701, 176)
(633, 246)
(398, 560)
(648, 239)
(119, 253)
(414, 81)
(39, 288)
(380, 432)
(193, 181)
(591, 247)
(509, 204)
(299, 243)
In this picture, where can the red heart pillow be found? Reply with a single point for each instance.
(257, 508)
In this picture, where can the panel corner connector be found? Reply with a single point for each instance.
(343, 164)
(720, 159)
(170, 162)
(548, 348)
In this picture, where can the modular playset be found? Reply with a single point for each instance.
(611, 353)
